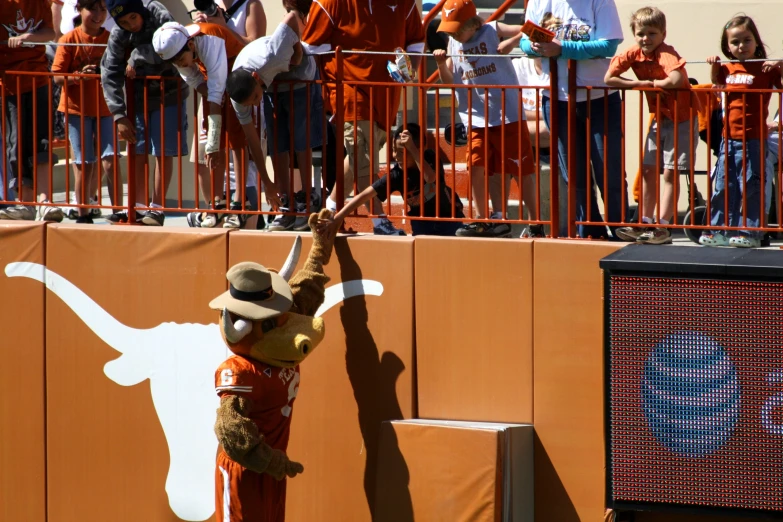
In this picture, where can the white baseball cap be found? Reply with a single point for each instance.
(171, 38)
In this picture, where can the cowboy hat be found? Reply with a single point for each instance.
(254, 292)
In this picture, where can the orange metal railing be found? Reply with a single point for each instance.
(583, 169)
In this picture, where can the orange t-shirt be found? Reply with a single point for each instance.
(738, 77)
(657, 67)
(19, 17)
(233, 43)
(364, 25)
(70, 59)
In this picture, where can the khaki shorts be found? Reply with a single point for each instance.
(360, 151)
(686, 151)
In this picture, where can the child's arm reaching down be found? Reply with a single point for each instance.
(331, 225)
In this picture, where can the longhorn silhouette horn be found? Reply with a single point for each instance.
(235, 332)
(120, 337)
(293, 258)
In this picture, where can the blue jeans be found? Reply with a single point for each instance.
(85, 152)
(615, 176)
(277, 115)
(747, 184)
(171, 127)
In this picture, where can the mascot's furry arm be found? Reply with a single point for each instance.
(309, 284)
(244, 445)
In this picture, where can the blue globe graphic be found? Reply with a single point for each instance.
(691, 394)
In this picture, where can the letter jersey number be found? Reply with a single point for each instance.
(226, 377)
(293, 389)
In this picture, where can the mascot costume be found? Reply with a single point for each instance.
(269, 325)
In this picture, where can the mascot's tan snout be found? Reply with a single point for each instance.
(285, 346)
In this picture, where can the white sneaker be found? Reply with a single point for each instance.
(18, 212)
(46, 213)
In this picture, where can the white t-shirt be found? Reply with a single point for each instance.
(582, 20)
(473, 68)
(238, 20)
(69, 12)
(527, 75)
(268, 56)
(211, 50)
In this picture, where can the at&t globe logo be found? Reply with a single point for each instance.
(691, 394)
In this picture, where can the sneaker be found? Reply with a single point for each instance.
(210, 220)
(194, 219)
(655, 236)
(533, 231)
(46, 213)
(714, 240)
(744, 242)
(85, 220)
(118, 217)
(153, 218)
(18, 212)
(73, 213)
(631, 233)
(485, 230)
(95, 212)
(386, 228)
(282, 222)
(302, 222)
(235, 221)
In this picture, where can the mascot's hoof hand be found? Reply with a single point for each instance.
(322, 243)
(292, 468)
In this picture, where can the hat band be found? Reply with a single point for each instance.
(262, 295)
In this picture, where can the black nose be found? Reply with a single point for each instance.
(305, 348)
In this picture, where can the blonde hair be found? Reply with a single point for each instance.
(648, 17)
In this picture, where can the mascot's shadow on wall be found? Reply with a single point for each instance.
(374, 381)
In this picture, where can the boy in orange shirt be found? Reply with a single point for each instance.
(657, 65)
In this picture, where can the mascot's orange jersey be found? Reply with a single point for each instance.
(271, 389)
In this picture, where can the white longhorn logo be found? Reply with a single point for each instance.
(449, 11)
(180, 361)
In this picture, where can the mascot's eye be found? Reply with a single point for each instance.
(268, 324)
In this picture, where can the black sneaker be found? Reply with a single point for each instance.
(484, 230)
(533, 231)
(87, 220)
(153, 218)
(118, 217)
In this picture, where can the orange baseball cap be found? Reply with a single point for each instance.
(455, 13)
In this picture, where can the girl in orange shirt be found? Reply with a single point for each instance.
(88, 118)
(740, 167)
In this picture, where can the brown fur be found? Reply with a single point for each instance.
(309, 283)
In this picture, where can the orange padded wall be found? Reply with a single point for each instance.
(440, 473)
(568, 379)
(22, 450)
(108, 458)
(360, 375)
(474, 329)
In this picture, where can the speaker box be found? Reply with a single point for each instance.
(694, 379)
